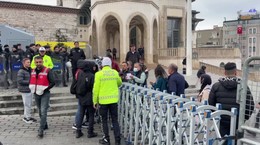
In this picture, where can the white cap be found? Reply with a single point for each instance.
(106, 61)
(42, 49)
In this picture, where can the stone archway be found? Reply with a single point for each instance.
(94, 39)
(110, 34)
(138, 32)
(155, 41)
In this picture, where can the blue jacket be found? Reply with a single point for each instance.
(161, 84)
(176, 84)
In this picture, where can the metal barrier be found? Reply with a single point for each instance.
(151, 117)
(250, 128)
(58, 70)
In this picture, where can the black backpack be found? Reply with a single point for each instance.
(85, 83)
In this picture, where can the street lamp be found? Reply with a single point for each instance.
(189, 39)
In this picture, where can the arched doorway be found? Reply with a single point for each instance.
(155, 42)
(110, 35)
(138, 32)
(94, 40)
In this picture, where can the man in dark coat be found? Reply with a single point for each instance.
(132, 55)
(176, 82)
(225, 92)
(76, 54)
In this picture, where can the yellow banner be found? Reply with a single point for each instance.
(69, 45)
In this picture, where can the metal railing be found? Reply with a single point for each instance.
(249, 99)
(151, 117)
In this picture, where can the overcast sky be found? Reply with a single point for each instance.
(213, 11)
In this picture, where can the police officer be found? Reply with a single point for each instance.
(105, 94)
(76, 54)
(15, 63)
(65, 56)
(47, 61)
(58, 59)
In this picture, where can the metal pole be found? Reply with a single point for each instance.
(189, 40)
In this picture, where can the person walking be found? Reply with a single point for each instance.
(205, 81)
(85, 82)
(106, 95)
(47, 61)
(41, 81)
(23, 80)
(176, 82)
(200, 72)
(225, 92)
(76, 54)
(161, 79)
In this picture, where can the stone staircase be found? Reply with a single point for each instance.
(61, 103)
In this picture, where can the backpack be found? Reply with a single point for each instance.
(74, 83)
(84, 83)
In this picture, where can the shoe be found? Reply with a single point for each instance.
(33, 119)
(74, 126)
(104, 141)
(27, 120)
(46, 126)
(84, 125)
(65, 85)
(91, 135)
(79, 134)
(40, 133)
(117, 142)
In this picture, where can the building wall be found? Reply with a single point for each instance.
(43, 24)
(213, 37)
(231, 39)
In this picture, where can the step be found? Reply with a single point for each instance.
(191, 90)
(71, 112)
(53, 100)
(53, 108)
(17, 96)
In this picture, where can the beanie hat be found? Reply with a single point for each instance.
(106, 61)
(230, 66)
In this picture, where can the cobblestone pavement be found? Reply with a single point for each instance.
(13, 131)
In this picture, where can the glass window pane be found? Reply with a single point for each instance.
(173, 32)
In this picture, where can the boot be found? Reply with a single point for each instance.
(79, 134)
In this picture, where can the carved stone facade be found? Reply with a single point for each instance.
(46, 23)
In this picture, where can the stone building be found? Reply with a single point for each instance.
(46, 23)
(157, 25)
(248, 41)
(209, 37)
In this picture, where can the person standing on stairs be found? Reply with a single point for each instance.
(23, 81)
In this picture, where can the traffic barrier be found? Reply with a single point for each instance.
(152, 117)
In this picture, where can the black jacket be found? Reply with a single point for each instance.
(85, 82)
(133, 57)
(200, 72)
(225, 92)
(23, 80)
(29, 53)
(75, 55)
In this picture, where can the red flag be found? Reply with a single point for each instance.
(239, 29)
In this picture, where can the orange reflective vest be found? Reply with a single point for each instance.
(39, 83)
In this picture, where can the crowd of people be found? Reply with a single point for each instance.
(96, 87)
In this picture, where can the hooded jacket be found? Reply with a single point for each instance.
(225, 92)
(85, 82)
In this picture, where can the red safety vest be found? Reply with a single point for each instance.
(38, 85)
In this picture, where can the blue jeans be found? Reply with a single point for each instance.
(78, 113)
(42, 103)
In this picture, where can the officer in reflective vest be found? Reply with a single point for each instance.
(47, 61)
(106, 94)
(41, 82)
